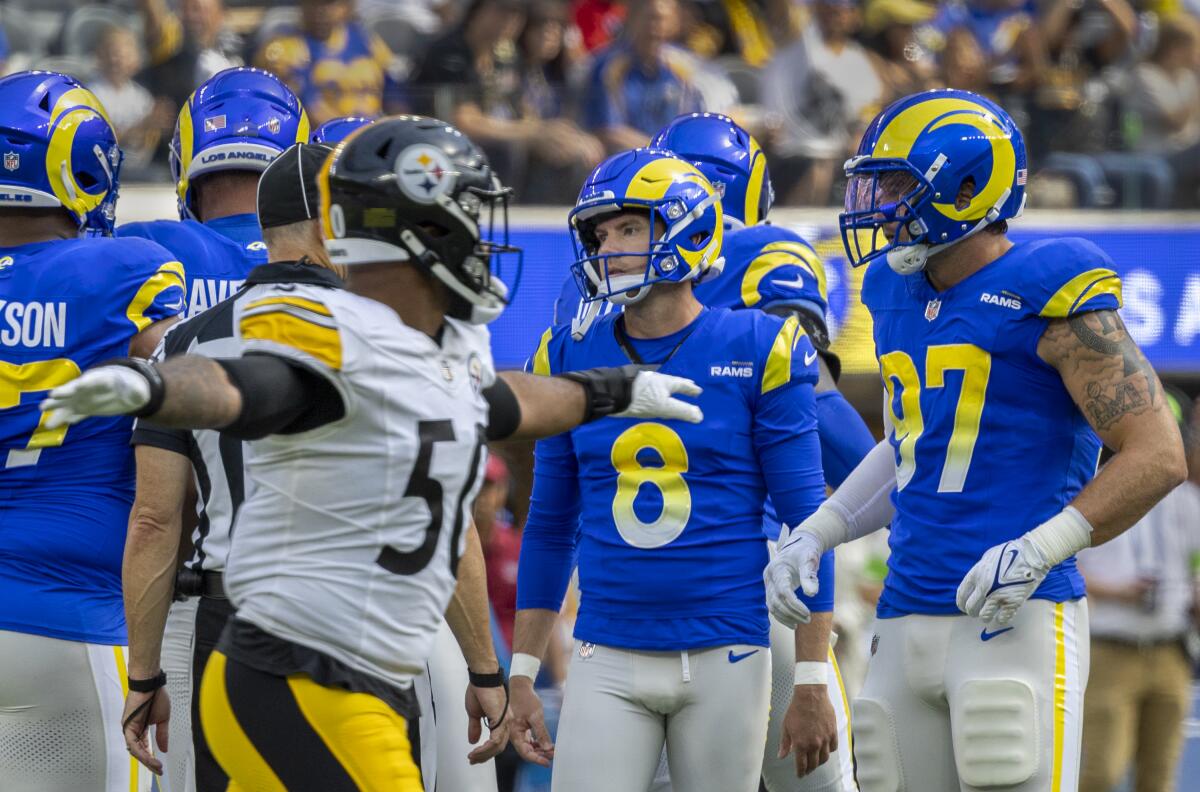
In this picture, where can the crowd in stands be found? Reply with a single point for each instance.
(1107, 91)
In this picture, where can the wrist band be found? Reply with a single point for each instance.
(148, 685)
(158, 390)
(493, 680)
(525, 665)
(811, 673)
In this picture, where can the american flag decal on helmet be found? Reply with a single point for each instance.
(1022, 177)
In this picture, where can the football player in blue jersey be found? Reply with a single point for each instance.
(672, 633)
(227, 133)
(1005, 366)
(70, 297)
(773, 269)
(335, 130)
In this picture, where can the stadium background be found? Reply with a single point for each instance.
(1083, 77)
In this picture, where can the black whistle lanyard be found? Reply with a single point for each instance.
(631, 353)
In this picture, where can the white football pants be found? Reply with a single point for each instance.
(709, 706)
(949, 706)
(60, 717)
(779, 775)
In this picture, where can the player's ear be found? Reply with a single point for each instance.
(966, 191)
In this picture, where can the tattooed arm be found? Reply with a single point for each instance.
(199, 394)
(1120, 395)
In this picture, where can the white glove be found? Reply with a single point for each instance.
(652, 398)
(797, 559)
(108, 390)
(1002, 580)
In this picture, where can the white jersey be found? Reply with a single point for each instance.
(351, 537)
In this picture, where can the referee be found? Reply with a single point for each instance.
(166, 458)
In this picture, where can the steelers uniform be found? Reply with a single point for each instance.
(65, 495)
(344, 555)
(989, 444)
(672, 633)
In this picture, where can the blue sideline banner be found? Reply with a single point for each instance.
(1159, 267)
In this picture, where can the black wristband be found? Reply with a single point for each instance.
(148, 685)
(158, 389)
(486, 680)
(608, 390)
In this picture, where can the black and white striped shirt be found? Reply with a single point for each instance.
(217, 460)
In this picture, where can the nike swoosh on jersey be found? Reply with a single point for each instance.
(798, 283)
(809, 357)
(737, 658)
(984, 635)
(175, 306)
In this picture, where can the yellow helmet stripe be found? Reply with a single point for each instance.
(79, 97)
(758, 171)
(302, 129)
(185, 152)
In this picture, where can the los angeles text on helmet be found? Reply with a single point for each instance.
(220, 156)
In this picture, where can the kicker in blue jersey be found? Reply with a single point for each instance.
(670, 543)
(66, 305)
(976, 467)
(218, 254)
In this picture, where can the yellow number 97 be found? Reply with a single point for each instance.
(631, 475)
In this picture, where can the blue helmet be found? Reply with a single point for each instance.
(58, 148)
(914, 159)
(679, 200)
(335, 130)
(239, 119)
(729, 157)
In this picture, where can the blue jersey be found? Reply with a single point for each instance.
(65, 494)
(218, 254)
(988, 441)
(767, 266)
(668, 514)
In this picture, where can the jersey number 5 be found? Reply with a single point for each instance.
(30, 378)
(898, 369)
(424, 486)
(667, 478)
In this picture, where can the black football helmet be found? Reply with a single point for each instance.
(415, 189)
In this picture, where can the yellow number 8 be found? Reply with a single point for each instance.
(631, 475)
(28, 378)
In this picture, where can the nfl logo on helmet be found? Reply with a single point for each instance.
(12, 161)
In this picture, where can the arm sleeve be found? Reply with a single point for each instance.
(548, 543)
(864, 500)
(845, 438)
(279, 397)
(789, 454)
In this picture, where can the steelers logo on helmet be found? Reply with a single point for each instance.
(424, 173)
(415, 190)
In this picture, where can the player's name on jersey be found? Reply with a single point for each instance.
(33, 324)
(207, 292)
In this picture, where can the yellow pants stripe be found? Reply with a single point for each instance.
(368, 737)
(837, 672)
(123, 675)
(226, 738)
(1060, 698)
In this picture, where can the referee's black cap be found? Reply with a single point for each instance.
(287, 190)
